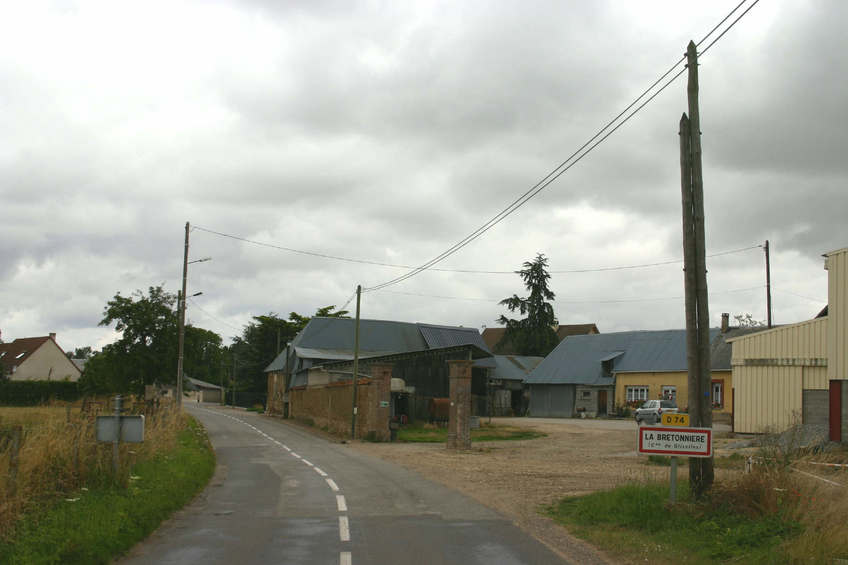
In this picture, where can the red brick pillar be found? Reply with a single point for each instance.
(459, 421)
(381, 386)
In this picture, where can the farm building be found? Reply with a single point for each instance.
(796, 373)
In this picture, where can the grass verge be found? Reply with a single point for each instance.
(635, 522)
(94, 525)
(427, 433)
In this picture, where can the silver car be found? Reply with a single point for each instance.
(652, 410)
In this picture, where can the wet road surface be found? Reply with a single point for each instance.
(283, 496)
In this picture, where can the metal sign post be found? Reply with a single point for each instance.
(118, 428)
(674, 441)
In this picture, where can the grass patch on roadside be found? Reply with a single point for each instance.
(95, 525)
(428, 433)
(636, 521)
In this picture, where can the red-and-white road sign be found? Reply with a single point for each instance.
(688, 442)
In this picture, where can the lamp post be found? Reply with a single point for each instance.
(182, 305)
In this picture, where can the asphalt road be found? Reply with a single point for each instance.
(283, 496)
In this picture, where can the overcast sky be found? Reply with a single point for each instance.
(387, 132)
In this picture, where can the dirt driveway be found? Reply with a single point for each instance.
(516, 478)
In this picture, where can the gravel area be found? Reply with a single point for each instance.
(517, 478)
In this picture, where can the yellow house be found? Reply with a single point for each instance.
(794, 373)
(603, 373)
(635, 384)
(36, 359)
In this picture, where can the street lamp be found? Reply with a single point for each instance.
(182, 305)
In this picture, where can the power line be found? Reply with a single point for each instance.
(454, 270)
(728, 28)
(196, 305)
(562, 168)
(585, 301)
(799, 295)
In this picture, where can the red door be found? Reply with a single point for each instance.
(835, 411)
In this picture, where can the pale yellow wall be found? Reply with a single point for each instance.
(837, 312)
(815, 378)
(768, 398)
(802, 341)
(37, 366)
(680, 379)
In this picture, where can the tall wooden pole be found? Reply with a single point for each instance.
(768, 284)
(701, 471)
(182, 299)
(689, 280)
(355, 362)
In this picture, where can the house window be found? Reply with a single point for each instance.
(636, 393)
(586, 394)
(718, 394)
(669, 393)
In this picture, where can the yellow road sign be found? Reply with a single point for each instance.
(671, 419)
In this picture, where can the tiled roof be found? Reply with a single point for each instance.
(18, 351)
(493, 336)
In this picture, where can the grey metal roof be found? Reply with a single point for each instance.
(448, 336)
(378, 336)
(721, 351)
(578, 359)
(197, 383)
(514, 367)
(331, 339)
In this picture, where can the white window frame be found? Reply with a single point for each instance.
(717, 401)
(636, 393)
(672, 389)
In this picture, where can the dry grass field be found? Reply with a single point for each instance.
(49, 451)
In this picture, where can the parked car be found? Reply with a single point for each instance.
(652, 410)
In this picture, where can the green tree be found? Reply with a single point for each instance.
(146, 351)
(533, 334)
(80, 353)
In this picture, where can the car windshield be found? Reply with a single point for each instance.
(669, 404)
(649, 404)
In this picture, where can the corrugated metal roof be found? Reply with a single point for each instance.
(332, 339)
(578, 359)
(449, 336)
(514, 367)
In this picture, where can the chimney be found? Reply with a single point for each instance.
(53, 336)
(725, 322)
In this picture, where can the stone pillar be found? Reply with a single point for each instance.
(459, 422)
(380, 411)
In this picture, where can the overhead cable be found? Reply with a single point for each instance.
(566, 165)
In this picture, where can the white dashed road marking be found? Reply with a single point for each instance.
(344, 529)
(345, 557)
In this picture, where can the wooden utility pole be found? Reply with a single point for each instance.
(701, 472)
(355, 362)
(182, 304)
(768, 283)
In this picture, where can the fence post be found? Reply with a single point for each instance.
(14, 450)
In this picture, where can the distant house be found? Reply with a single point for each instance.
(418, 352)
(493, 336)
(599, 374)
(36, 359)
(201, 391)
(797, 373)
